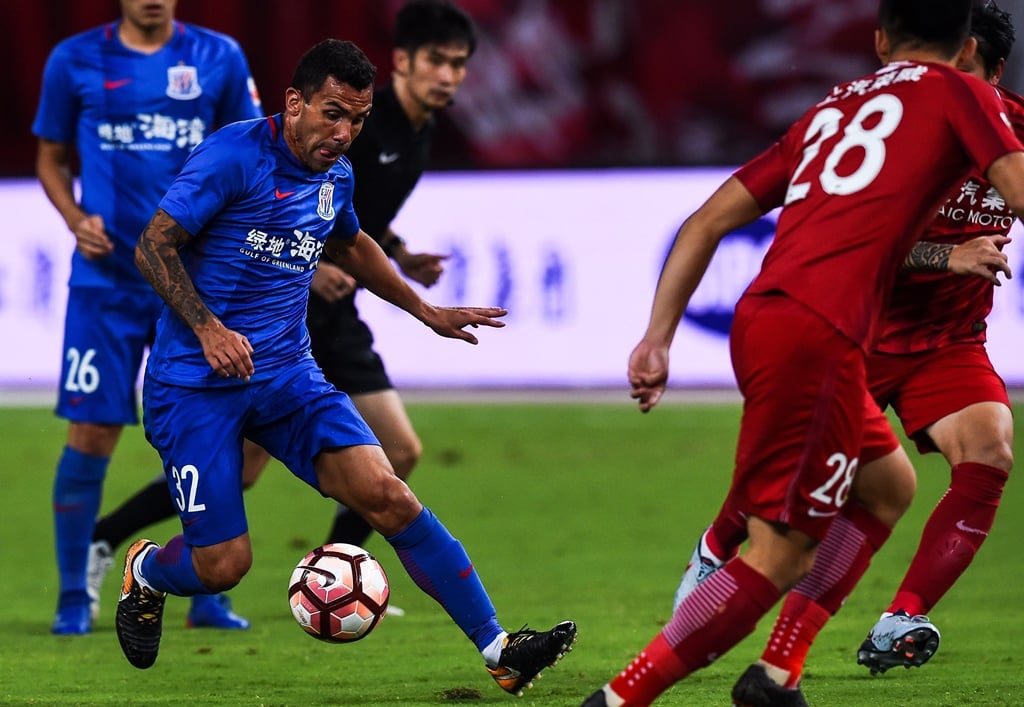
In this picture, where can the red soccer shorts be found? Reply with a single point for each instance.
(804, 391)
(925, 387)
(879, 439)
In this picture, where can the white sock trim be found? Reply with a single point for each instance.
(611, 699)
(492, 653)
(137, 569)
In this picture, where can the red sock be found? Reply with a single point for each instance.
(842, 560)
(727, 532)
(951, 537)
(721, 611)
(798, 625)
(844, 557)
(652, 672)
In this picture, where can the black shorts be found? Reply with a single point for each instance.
(343, 346)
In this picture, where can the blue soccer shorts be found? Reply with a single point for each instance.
(293, 413)
(106, 334)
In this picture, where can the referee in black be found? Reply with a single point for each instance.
(432, 45)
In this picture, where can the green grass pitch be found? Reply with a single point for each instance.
(583, 511)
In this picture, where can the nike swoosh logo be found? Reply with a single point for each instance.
(282, 194)
(327, 578)
(464, 574)
(968, 529)
(388, 157)
(815, 513)
(110, 84)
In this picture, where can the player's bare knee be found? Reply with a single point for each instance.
(998, 454)
(223, 575)
(405, 458)
(220, 570)
(93, 439)
(395, 508)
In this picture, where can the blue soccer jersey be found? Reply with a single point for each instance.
(134, 118)
(259, 219)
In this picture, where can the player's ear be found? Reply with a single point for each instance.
(997, 73)
(401, 61)
(293, 100)
(882, 46)
(967, 52)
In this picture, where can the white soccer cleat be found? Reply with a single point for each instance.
(703, 563)
(101, 559)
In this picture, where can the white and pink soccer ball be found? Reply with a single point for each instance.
(338, 593)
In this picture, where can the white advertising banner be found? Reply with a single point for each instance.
(574, 256)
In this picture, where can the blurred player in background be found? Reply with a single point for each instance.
(841, 170)
(433, 41)
(930, 364)
(132, 98)
(232, 249)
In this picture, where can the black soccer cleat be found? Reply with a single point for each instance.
(596, 700)
(140, 612)
(527, 652)
(756, 689)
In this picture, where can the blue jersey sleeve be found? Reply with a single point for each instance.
(57, 114)
(347, 225)
(213, 176)
(240, 100)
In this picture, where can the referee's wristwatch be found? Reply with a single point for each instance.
(391, 247)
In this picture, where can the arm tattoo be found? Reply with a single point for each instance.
(928, 256)
(157, 258)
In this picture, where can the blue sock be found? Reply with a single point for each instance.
(439, 565)
(170, 569)
(77, 491)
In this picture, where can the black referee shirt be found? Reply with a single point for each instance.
(388, 157)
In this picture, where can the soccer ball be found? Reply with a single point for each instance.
(338, 593)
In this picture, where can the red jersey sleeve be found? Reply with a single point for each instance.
(984, 141)
(766, 177)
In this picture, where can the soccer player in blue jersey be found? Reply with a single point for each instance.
(433, 41)
(232, 249)
(133, 98)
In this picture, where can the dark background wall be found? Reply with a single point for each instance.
(555, 83)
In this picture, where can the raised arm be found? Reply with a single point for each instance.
(362, 258)
(157, 258)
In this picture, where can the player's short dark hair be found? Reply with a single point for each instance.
(424, 22)
(942, 25)
(333, 57)
(994, 31)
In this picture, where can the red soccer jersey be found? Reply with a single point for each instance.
(929, 310)
(860, 175)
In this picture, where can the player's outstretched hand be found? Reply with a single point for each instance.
(451, 322)
(648, 374)
(228, 352)
(982, 256)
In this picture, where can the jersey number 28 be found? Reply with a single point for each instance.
(870, 142)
